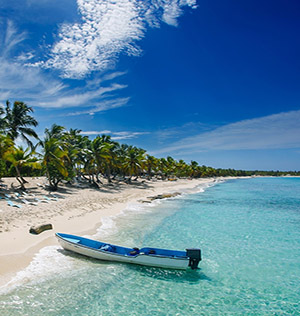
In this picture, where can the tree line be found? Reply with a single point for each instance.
(68, 155)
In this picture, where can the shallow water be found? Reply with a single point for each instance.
(249, 233)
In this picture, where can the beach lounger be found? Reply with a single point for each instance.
(41, 201)
(41, 185)
(56, 197)
(8, 196)
(11, 203)
(50, 198)
(29, 202)
(47, 198)
(28, 194)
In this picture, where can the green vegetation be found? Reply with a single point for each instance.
(67, 155)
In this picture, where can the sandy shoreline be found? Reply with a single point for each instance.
(77, 210)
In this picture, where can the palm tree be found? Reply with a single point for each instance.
(194, 168)
(150, 164)
(83, 144)
(2, 119)
(119, 160)
(18, 121)
(104, 152)
(56, 131)
(19, 158)
(5, 145)
(54, 160)
(134, 161)
(182, 169)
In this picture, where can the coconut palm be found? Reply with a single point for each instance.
(84, 154)
(151, 163)
(2, 119)
(182, 169)
(194, 168)
(18, 122)
(103, 149)
(53, 159)
(5, 145)
(20, 158)
(134, 161)
(119, 160)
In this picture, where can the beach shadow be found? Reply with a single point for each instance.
(171, 275)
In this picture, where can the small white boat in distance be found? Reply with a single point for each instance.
(155, 257)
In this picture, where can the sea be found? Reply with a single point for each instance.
(249, 234)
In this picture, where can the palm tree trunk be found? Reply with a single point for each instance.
(108, 174)
(24, 181)
(19, 177)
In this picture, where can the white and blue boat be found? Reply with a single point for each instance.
(155, 257)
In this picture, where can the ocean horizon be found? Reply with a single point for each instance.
(247, 229)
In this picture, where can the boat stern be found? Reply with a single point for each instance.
(194, 255)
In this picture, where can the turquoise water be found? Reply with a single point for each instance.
(249, 233)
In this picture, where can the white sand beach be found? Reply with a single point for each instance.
(74, 210)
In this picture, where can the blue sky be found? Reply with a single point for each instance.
(210, 80)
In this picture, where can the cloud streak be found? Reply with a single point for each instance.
(275, 131)
(102, 106)
(107, 29)
(73, 99)
(115, 135)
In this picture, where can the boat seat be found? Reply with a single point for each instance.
(73, 240)
(107, 247)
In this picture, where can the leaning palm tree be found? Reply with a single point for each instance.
(18, 121)
(20, 158)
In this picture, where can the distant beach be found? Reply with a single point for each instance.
(75, 209)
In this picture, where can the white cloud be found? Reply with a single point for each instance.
(18, 81)
(127, 135)
(115, 135)
(25, 57)
(73, 99)
(102, 106)
(171, 12)
(30, 84)
(275, 131)
(95, 132)
(108, 28)
(11, 39)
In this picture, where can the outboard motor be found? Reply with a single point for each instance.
(195, 257)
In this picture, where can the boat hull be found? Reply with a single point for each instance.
(140, 259)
